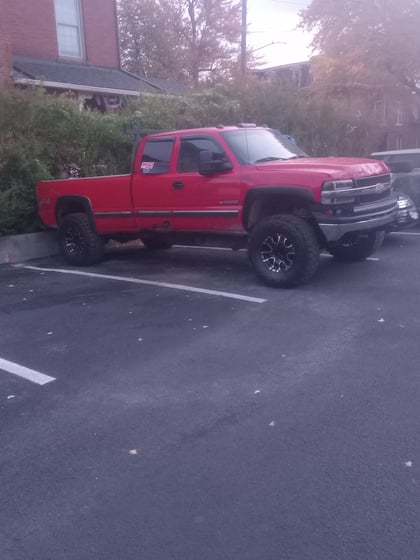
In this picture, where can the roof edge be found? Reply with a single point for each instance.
(78, 87)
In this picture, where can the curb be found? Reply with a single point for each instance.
(19, 248)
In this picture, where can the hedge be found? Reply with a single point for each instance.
(40, 136)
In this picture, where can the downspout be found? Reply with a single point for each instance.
(117, 33)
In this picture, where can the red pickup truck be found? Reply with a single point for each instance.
(230, 186)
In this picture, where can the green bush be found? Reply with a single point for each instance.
(321, 125)
(39, 136)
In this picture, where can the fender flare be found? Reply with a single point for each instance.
(79, 200)
(301, 193)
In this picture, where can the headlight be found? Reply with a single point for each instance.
(337, 185)
(332, 192)
(403, 202)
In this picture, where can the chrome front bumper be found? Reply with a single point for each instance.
(335, 230)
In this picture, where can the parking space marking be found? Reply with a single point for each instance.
(373, 259)
(327, 255)
(26, 373)
(405, 233)
(148, 283)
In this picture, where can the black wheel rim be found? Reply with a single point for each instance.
(353, 242)
(74, 242)
(278, 253)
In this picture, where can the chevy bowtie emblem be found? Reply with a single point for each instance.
(381, 187)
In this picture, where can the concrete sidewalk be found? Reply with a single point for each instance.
(19, 248)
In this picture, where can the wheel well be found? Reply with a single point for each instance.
(71, 205)
(271, 204)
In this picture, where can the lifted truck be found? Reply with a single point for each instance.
(234, 186)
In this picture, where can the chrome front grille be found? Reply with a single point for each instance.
(358, 192)
(372, 181)
(373, 189)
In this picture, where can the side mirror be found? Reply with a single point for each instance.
(401, 166)
(208, 164)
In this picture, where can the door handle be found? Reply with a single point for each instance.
(178, 185)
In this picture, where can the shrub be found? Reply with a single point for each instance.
(39, 136)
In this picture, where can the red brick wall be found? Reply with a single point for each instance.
(31, 25)
(101, 39)
(5, 59)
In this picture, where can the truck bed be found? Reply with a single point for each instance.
(110, 194)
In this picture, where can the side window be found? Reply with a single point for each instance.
(380, 111)
(399, 113)
(68, 16)
(156, 156)
(189, 153)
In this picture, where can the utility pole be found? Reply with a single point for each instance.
(244, 38)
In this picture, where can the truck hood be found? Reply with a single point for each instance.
(324, 168)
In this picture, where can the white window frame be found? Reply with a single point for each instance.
(78, 27)
(399, 142)
(399, 117)
(380, 111)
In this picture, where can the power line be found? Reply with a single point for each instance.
(244, 37)
(299, 4)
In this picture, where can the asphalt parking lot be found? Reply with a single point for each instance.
(169, 406)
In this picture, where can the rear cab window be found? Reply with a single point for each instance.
(156, 156)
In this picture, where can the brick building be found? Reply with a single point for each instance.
(393, 108)
(69, 45)
(397, 113)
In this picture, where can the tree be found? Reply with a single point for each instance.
(181, 39)
(320, 125)
(146, 39)
(365, 42)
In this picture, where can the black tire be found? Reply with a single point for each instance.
(284, 251)
(156, 244)
(79, 244)
(359, 247)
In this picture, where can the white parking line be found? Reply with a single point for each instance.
(405, 233)
(148, 283)
(327, 255)
(26, 373)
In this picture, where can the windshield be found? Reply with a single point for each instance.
(252, 146)
(414, 159)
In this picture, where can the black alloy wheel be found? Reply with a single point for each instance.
(284, 250)
(79, 244)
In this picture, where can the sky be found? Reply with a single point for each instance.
(276, 20)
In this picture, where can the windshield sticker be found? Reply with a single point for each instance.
(147, 166)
